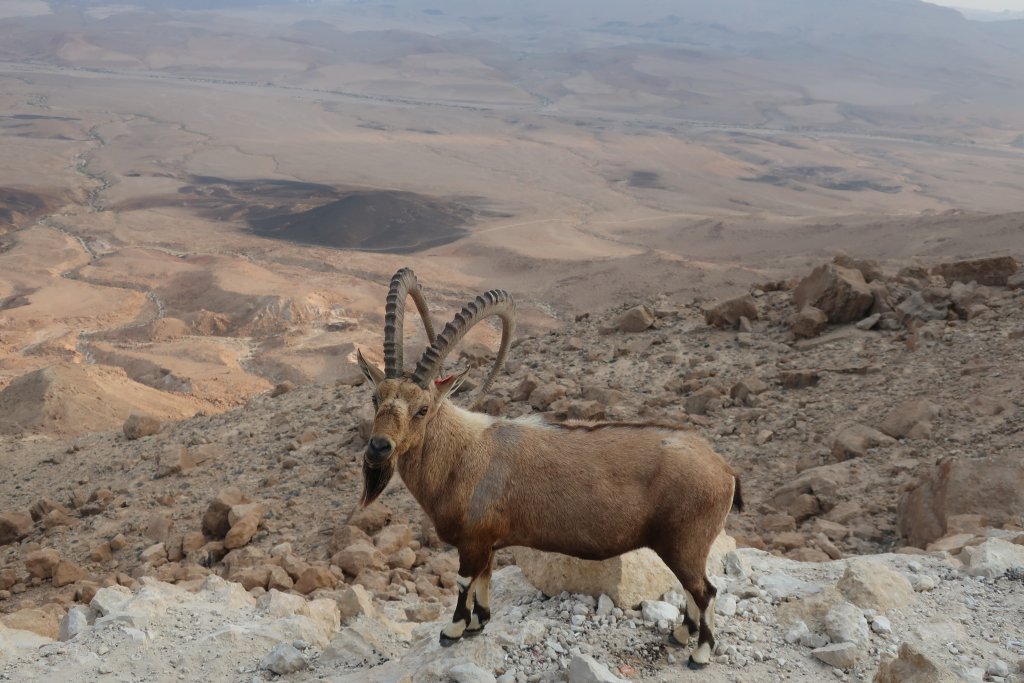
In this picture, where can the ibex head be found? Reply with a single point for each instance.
(404, 405)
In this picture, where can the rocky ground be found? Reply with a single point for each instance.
(867, 410)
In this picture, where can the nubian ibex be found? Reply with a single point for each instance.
(592, 491)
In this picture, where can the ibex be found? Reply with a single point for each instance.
(592, 491)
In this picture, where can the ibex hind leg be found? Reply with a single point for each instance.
(699, 618)
(471, 565)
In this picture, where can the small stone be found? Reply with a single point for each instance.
(138, 426)
(839, 655)
(726, 605)
(998, 668)
(586, 669)
(796, 632)
(14, 526)
(808, 322)
(604, 605)
(67, 573)
(872, 585)
(282, 388)
(313, 578)
(41, 564)
(284, 659)
(656, 610)
(470, 673)
(355, 601)
(726, 315)
(869, 322)
(636, 319)
(881, 625)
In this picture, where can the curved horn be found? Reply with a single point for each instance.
(403, 283)
(495, 302)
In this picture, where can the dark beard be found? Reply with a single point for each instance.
(375, 480)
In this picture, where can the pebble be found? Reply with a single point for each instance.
(284, 659)
(881, 625)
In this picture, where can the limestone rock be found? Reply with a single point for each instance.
(845, 623)
(636, 319)
(41, 563)
(841, 293)
(470, 673)
(872, 585)
(42, 621)
(138, 426)
(855, 440)
(216, 522)
(656, 610)
(911, 419)
(357, 557)
(284, 659)
(869, 269)
(913, 665)
(355, 601)
(393, 538)
(991, 486)
(840, 655)
(627, 579)
(242, 531)
(372, 518)
(543, 396)
(993, 271)
(915, 307)
(67, 573)
(993, 557)
(727, 314)
(808, 322)
(586, 669)
(313, 578)
(14, 526)
(73, 623)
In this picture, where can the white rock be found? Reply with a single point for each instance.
(73, 623)
(470, 673)
(604, 605)
(109, 599)
(656, 610)
(814, 640)
(998, 668)
(845, 623)
(992, 558)
(725, 605)
(584, 669)
(284, 659)
(881, 624)
(796, 632)
(839, 655)
(783, 586)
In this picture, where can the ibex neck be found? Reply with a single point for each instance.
(434, 468)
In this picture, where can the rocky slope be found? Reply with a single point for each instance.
(866, 411)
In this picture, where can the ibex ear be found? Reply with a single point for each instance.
(371, 372)
(448, 385)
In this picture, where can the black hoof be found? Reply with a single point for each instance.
(473, 633)
(696, 666)
(448, 641)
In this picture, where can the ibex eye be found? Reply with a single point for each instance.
(376, 402)
(422, 412)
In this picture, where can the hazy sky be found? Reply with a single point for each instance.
(991, 5)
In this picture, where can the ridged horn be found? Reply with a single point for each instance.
(403, 284)
(495, 302)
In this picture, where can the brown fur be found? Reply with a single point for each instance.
(591, 491)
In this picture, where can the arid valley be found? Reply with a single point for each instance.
(796, 227)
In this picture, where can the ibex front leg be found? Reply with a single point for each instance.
(472, 609)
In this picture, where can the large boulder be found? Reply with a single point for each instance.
(628, 579)
(841, 293)
(985, 271)
(992, 487)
